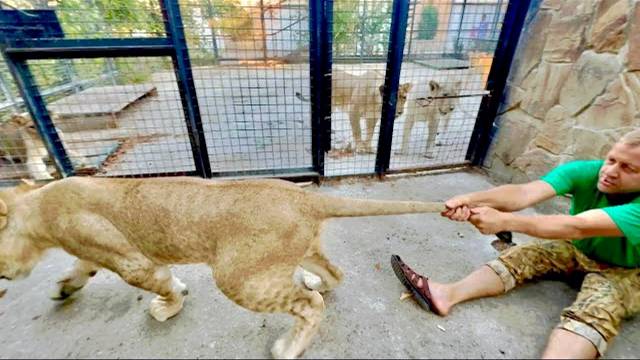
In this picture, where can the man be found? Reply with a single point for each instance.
(605, 228)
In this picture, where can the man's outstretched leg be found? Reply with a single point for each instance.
(483, 282)
(440, 298)
(513, 267)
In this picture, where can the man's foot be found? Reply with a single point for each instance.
(430, 295)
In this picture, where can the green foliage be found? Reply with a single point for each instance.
(361, 29)
(101, 19)
(233, 19)
(428, 27)
(376, 27)
(108, 18)
(345, 25)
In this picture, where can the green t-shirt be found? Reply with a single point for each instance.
(580, 179)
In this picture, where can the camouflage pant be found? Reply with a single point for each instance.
(608, 294)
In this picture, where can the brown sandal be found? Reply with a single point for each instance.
(410, 279)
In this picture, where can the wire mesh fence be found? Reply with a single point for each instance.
(250, 60)
(250, 67)
(131, 123)
(449, 52)
(360, 42)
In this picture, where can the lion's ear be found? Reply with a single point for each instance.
(27, 182)
(3, 214)
(19, 119)
(27, 185)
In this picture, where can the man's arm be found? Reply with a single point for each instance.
(590, 223)
(505, 198)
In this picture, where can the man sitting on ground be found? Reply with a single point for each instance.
(605, 228)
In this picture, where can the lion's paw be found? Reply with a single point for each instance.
(162, 308)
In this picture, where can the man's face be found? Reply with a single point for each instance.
(620, 172)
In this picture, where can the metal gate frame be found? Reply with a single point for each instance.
(18, 51)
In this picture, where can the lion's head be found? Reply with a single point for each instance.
(403, 93)
(18, 253)
(444, 95)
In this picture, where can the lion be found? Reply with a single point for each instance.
(438, 104)
(361, 97)
(258, 235)
(21, 143)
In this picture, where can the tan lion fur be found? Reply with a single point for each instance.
(432, 104)
(255, 234)
(361, 97)
(20, 142)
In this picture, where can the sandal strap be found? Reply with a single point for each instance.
(414, 278)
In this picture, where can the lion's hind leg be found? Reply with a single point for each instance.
(325, 276)
(272, 290)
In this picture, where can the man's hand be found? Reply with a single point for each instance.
(457, 208)
(488, 220)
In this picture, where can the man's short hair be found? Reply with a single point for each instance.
(631, 138)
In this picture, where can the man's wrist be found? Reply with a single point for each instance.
(467, 200)
(513, 222)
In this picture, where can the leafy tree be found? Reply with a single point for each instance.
(428, 27)
(345, 26)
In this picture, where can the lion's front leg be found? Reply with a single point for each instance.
(74, 279)
(158, 279)
(106, 245)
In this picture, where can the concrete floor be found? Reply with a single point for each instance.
(364, 317)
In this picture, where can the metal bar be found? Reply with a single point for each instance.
(184, 77)
(496, 19)
(418, 169)
(214, 43)
(28, 49)
(327, 44)
(363, 19)
(70, 73)
(392, 79)
(58, 89)
(413, 20)
(214, 40)
(84, 43)
(301, 173)
(111, 69)
(38, 110)
(13, 102)
(89, 52)
(457, 44)
(511, 28)
(264, 32)
(320, 16)
(357, 59)
(286, 172)
(150, 175)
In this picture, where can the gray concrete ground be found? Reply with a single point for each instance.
(364, 317)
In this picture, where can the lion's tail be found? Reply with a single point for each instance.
(348, 207)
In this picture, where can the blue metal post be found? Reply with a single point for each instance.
(320, 62)
(38, 110)
(392, 80)
(182, 67)
(456, 47)
(507, 43)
